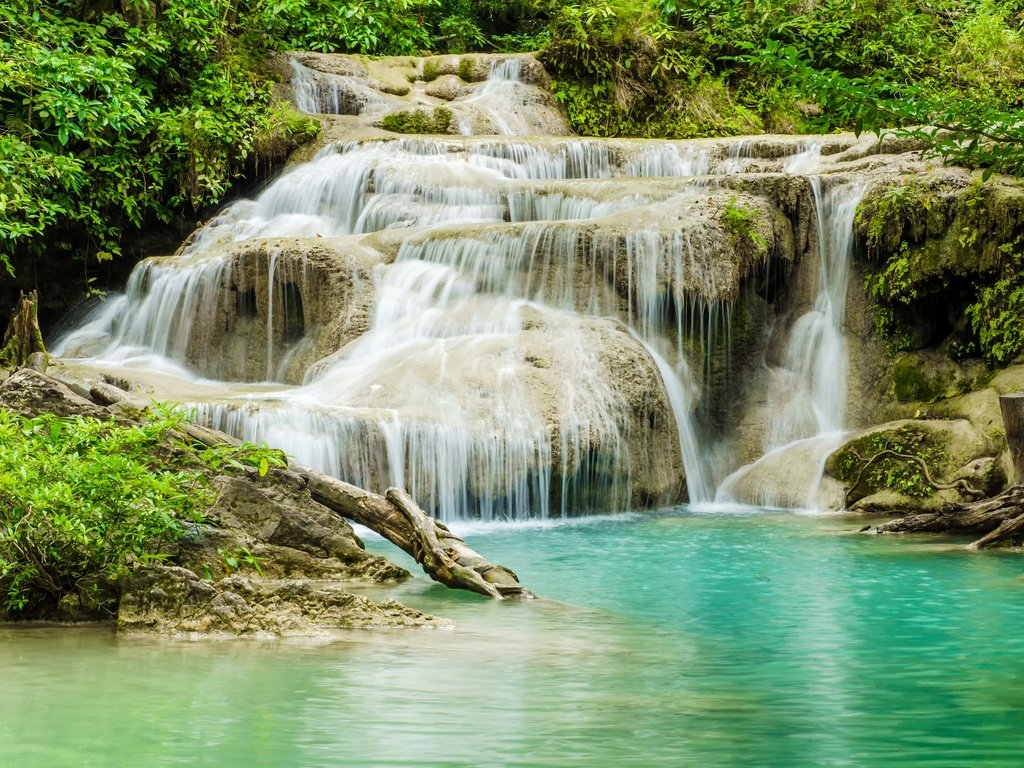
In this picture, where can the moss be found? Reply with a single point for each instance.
(284, 129)
(427, 121)
(684, 112)
(741, 222)
(467, 67)
(430, 71)
(943, 251)
(889, 473)
(912, 382)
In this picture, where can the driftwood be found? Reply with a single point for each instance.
(22, 339)
(998, 520)
(443, 556)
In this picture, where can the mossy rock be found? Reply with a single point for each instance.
(928, 376)
(944, 445)
(425, 121)
(284, 130)
(946, 251)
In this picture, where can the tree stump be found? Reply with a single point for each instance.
(23, 339)
(1012, 407)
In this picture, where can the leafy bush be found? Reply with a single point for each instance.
(111, 122)
(997, 316)
(83, 499)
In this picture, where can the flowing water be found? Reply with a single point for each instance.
(665, 640)
(807, 397)
(495, 306)
(459, 340)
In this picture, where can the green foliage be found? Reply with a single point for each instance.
(857, 463)
(82, 499)
(112, 120)
(387, 27)
(243, 457)
(741, 222)
(997, 316)
(975, 128)
(947, 263)
(430, 121)
(620, 68)
(900, 211)
(240, 557)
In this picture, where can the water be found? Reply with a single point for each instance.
(677, 640)
(496, 308)
(807, 395)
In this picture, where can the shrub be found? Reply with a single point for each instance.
(84, 499)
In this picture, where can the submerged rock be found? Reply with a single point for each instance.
(171, 600)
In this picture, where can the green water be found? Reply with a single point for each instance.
(675, 640)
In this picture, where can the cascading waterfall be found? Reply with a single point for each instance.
(461, 388)
(807, 401)
(323, 93)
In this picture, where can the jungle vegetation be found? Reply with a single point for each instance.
(118, 117)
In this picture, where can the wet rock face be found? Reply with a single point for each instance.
(480, 94)
(273, 306)
(274, 523)
(171, 600)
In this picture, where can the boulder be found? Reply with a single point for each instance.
(171, 600)
(913, 464)
(32, 393)
(272, 524)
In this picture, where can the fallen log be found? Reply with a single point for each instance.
(997, 520)
(444, 557)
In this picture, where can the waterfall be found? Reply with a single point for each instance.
(807, 401)
(323, 93)
(504, 280)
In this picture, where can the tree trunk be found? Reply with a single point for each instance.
(444, 556)
(23, 337)
(1012, 408)
(997, 520)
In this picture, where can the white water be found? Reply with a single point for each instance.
(461, 390)
(504, 279)
(807, 399)
(322, 93)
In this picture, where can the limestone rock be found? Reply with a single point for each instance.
(447, 88)
(173, 600)
(275, 521)
(32, 393)
(952, 449)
